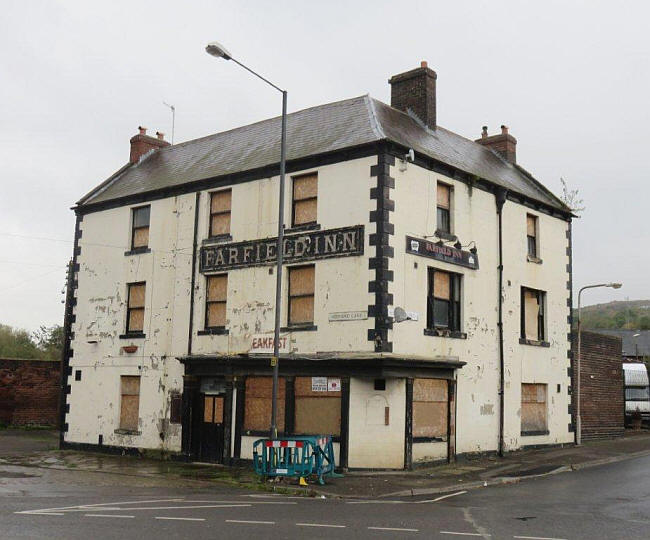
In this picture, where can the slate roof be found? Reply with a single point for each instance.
(317, 130)
(630, 342)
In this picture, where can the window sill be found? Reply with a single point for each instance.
(433, 332)
(532, 259)
(137, 251)
(446, 235)
(534, 342)
(133, 335)
(127, 432)
(302, 328)
(216, 331)
(429, 439)
(534, 433)
(303, 228)
(220, 238)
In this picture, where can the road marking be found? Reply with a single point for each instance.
(83, 507)
(109, 515)
(464, 534)
(375, 502)
(35, 513)
(441, 498)
(241, 502)
(251, 522)
(180, 518)
(320, 525)
(538, 538)
(237, 505)
(392, 529)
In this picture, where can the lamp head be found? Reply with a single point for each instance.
(615, 285)
(217, 50)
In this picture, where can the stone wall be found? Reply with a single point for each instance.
(29, 392)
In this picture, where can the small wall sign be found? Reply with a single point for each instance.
(340, 316)
(319, 384)
(444, 253)
(333, 384)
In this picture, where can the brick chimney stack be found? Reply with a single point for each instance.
(504, 144)
(142, 143)
(415, 90)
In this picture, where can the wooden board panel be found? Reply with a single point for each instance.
(444, 195)
(217, 288)
(130, 385)
(301, 280)
(216, 314)
(218, 410)
(136, 295)
(208, 409)
(136, 320)
(257, 414)
(305, 211)
(301, 310)
(430, 390)
(430, 419)
(531, 312)
(302, 388)
(220, 224)
(318, 415)
(533, 417)
(129, 409)
(221, 201)
(262, 387)
(531, 225)
(305, 187)
(141, 237)
(441, 285)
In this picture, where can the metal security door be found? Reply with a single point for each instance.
(211, 447)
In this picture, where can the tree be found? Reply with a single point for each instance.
(50, 341)
(644, 323)
(16, 343)
(571, 198)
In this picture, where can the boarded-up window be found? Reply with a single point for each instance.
(533, 409)
(215, 304)
(257, 408)
(220, 203)
(130, 402)
(443, 207)
(531, 234)
(301, 295)
(135, 308)
(140, 227)
(443, 300)
(430, 408)
(175, 408)
(305, 199)
(316, 413)
(532, 314)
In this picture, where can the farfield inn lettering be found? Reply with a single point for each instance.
(307, 246)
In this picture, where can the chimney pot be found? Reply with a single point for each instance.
(143, 130)
(160, 135)
(484, 133)
(423, 64)
(504, 130)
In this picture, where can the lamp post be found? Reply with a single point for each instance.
(218, 51)
(578, 419)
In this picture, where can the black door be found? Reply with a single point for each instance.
(211, 438)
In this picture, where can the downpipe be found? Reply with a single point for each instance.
(500, 199)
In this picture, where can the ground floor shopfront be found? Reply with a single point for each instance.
(384, 411)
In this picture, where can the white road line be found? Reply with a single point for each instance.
(464, 534)
(441, 498)
(251, 522)
(538, 538)
(180, 518)
(109, 515)
(393, 529)
(241, 502)
(238, 505)
(34, 513)
(89, 506)
(375, 502)
(320, 525)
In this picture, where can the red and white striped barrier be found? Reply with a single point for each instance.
(284, 444)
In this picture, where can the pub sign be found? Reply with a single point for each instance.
(444, 253)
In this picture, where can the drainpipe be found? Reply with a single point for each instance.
(500, 199)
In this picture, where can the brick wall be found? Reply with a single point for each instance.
(602, 386)
(29, 392)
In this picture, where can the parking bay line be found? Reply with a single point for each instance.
(109, 516)
(464, 533)
(40, 513)
(537, 538)
(250, 522)
(320, 525)
(179, 518)
(393, 529)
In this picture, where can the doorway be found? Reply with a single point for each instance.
(212, 429)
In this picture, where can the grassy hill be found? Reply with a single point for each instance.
(620, 314)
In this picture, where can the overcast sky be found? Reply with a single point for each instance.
(570, 78)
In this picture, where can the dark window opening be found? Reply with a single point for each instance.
(443, 300)
(443, 208)
(532, 314)
(380, 384)
(140, 227)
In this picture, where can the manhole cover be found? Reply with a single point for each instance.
(531, 472)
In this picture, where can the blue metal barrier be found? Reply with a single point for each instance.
(299, 456)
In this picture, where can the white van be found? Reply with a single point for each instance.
(637, 391)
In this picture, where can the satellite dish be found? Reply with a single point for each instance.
(400, 315)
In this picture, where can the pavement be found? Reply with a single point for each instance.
(37, 449)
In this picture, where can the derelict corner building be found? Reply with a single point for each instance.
(171, 305)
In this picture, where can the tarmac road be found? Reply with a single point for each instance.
(605, 502)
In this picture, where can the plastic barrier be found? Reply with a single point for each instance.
(299, 457)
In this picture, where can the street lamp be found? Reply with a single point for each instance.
(578, 419)
(217, 50)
